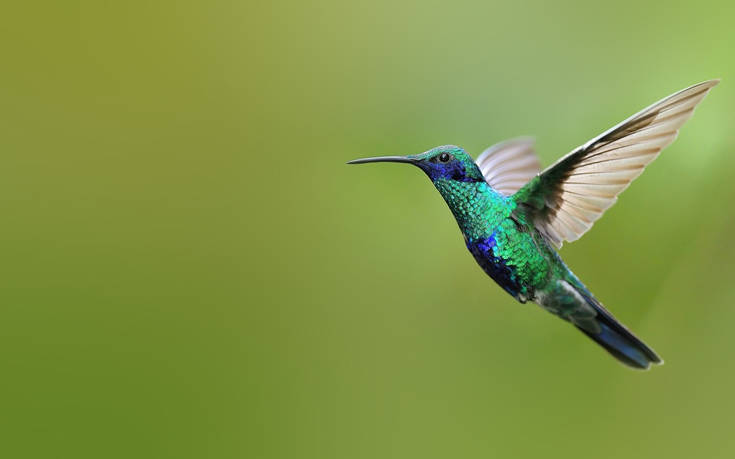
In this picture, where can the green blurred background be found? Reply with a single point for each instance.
(190, 270)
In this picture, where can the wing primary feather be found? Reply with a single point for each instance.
(579, 187)
(509, 165)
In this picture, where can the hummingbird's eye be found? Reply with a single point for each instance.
(444, 157)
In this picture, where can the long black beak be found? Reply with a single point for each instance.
(383, 159)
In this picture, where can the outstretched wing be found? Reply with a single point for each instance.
(509, 165)
(569, 196)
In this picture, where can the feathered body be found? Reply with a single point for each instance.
(507, 248)
(513, 217)
(520, 260)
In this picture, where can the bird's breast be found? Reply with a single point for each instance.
(485, 252)
(477, 208)
(511, 257)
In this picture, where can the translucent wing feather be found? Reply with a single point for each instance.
(509, 165)
(569, 196)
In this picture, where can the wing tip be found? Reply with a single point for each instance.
(707, 84)
(525, 140)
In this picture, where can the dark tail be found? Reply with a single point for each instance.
(618, 340)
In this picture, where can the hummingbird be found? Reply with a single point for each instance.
(514, 217)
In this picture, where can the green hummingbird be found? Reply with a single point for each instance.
(514, 217)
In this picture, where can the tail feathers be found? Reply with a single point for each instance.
(618, 340)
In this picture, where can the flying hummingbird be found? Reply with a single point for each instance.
(514, 216)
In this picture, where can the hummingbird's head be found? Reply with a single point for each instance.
(447, 162)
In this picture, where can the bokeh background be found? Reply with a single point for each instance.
(189, 269)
